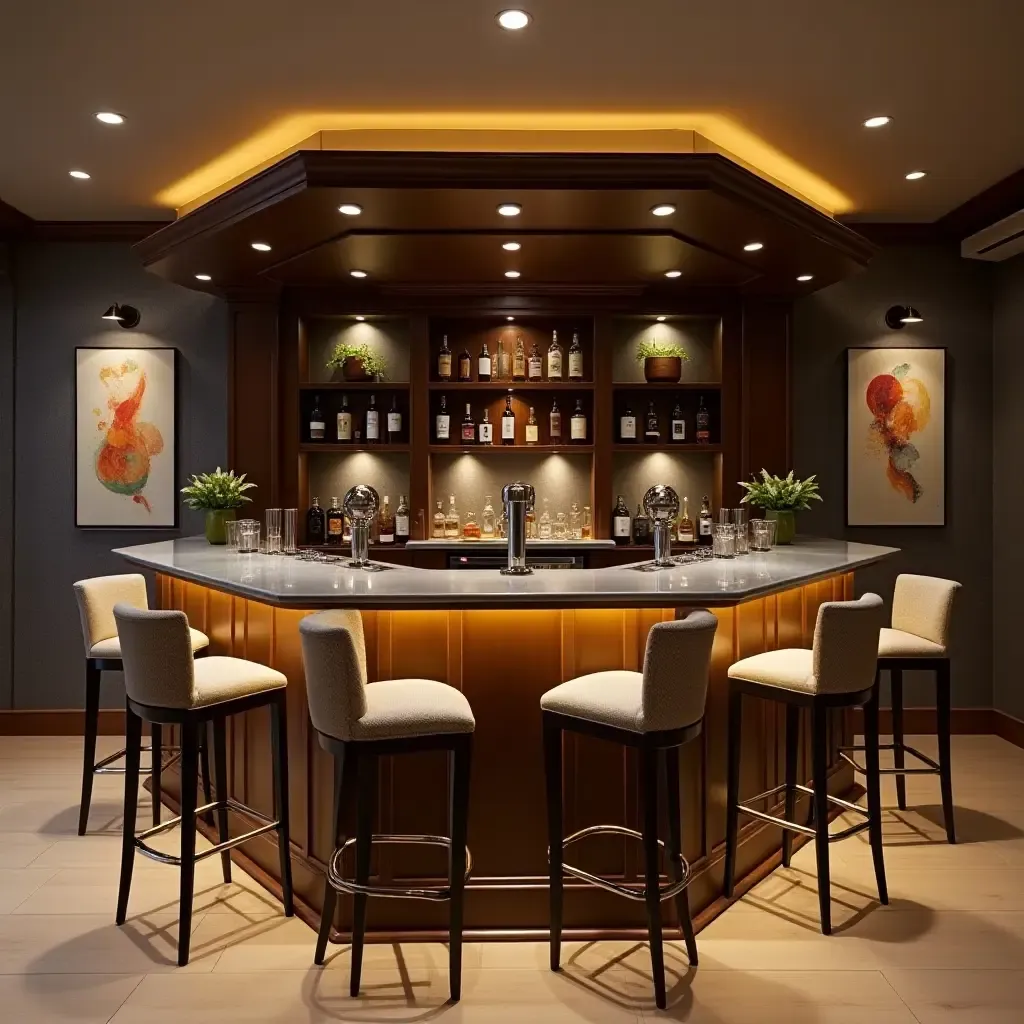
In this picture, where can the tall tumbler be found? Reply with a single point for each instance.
(273, 531)
(290, 535)
(739, 518)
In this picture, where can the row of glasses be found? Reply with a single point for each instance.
(734, 535)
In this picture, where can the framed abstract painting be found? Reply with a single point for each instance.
(126, 438)
(896, 437)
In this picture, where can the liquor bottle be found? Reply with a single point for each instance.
(468, 427)
(560, 527)
(444, 361)
(678, 434)
(485, 429)
(684, 528)
(519, 361)
(335, 524)
(531, 524)
(578, 424)
(372, 421)
(483, 364)
(487, 521)
(587, 529)
(544, 527)
(402, 520)
(451, 520)
(317, 427)
(641, 527)
(704, 522)
(652, 432)
(394, 421)
(386, 523)
(437, 532)
(556, 423)
(465, 366)
(508, 423)
(703, 423)
(627, 426)
(575, 521)
(344, 422)
(443, 422)
(346, 529)
(621, 522)
(575, 358)
(316, 524)
(554, 358)
(532, 429)
(504, 367)
(535, 366)
(471, 528)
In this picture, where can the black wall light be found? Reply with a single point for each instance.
(126, 316)
(897, 317)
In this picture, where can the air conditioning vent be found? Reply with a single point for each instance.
(1002, 240)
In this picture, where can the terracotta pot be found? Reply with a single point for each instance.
(785, 525)
(353, 369)
(663, 369)
(215, 519)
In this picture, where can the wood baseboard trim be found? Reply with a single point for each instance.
(921, 721)
(58, 723)
(1008, 728)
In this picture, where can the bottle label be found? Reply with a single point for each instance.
(532, 433)
(372, 425)
(620, 526)
(483, 366)
(443, 422)
(402, 526)
(519, 365)
(317, 429)
(536, 368)
(556, 424)
(686, 534)
(705, 527)
(344, 426)
(627, 428)
(464, 369)
(679, 430)
(387, 537)
(578, 428)
(468, 433)
(487, 432)
(394, 422)
(335, 525)
(575, 364)
(555, 364)
(444, 365)
(508, 428)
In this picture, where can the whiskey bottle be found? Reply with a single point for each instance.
(508, 423)
(535, 366)
(621, 522)
(704, 522)
(487, 520)
(532, 429)
(544, 526)
(386, 523)
(555, 425)
(578, 424)
(627, 426)
(504, 361)
(483, 364)
(317, 427)
(575, 358)
(684, 528)
(335, 524)
(485, 429)
(587, 529)
(344, 422)
(451, 520)
(372, 421)
(554, 358)
(443, 422)
(468, 427)
(703, 423)
(444, 361)
(642, 527)
(465, 366)
(394, 421)
(316, 524)
(471, 528)
(678, 434)
(531, 524)
(437, 531)
(402, 520)
(575, 521)
(519, 361)
(652, 432)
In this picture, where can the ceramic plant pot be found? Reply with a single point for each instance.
(663, 369)
(353, 369)
(785, 525)
(215, 520)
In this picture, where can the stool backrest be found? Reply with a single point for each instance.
(96, 599)
(676, 667)
(334, 658)
(846, 644)
(923, 605)
(156, 650)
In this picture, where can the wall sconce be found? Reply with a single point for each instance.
(126, 316)
(897, 317)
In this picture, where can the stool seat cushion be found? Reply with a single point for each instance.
(612, 698)
(401, 708)
(111, 647)
(895, 643)
(788, 669)
(219, 679)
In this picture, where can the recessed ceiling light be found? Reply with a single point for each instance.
(81, 175)
(350, 209)
(513, 20)
(663, 210)
(109, 117)
(915, 175)
(661, 319)
(510, 318)
(357, 273)
(511, 273)
(261, 246)
(877, 121)
(203, 277)
(673, 273)
(512, 246)
(753, 246)
(510, 209)
(360, 318)
(805, 277)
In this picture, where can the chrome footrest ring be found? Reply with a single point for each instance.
(846, 753)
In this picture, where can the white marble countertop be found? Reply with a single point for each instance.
(289, 582)
(564, 546)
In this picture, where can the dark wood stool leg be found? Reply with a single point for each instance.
(943, 701)
(553, 784)
(189, 782)
(220, 770)
(156, 769)
(204, 771)
(652, 872)
(92, 718)
(279, 739)
(733, 791)
(792, 747)
(896, 692)
(459, 824)
(133, 754)
(365, 814)
(819, 759)
(675, 849)
(330, 893)
(874, 792)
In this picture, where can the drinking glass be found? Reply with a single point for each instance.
(273, 531)
(725, 515)
(760, 535)
(248, 537)
(724, 540)
(739, 518)
(290, 535)
(231, 535)
(772, 526)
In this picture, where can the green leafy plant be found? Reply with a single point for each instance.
(374, 364)
(217, 490)
(651, 348)
(778, 494)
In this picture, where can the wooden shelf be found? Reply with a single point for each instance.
(350, 449)
(712, 449)
(362, 385)
(683, 385)
(505, 385)
(522, 449)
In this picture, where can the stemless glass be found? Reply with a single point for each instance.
(290, 535)
(772, 527)
(248, 537)
(760, 535)
(724, 540)
(231, 535)
(739, 518)
(273, 531)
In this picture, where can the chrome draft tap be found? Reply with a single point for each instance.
(661, 504)
(360, 505)
(518, 499)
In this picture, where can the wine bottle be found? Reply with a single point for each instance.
(335, 524)
(627, 426)
(621, 522)
(578, 424)
(575, 358)
(468, 427)
(485, 430)
(508, 423)
(703, 423)
(443, 422)
(652, 432)
(402, 520)
(372, 421)
(554, 358)
(678, 434)
(444, 361)
(344, 422)
(704, 522)
(532, 429)
(535, 367)
(317, 427)
(465, 366)
(483, 364)
(386, 523)
(642, 527)
(316, 524)
(394, 421)
(555, 421)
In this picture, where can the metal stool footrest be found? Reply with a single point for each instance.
(437, 893)
(103, 767)
(933, 766)
(268, 825)
(804, 830)
(664, 892)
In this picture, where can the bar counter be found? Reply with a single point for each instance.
(504, 641)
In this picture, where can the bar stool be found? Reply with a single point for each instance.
(837, 673)
(358, 724)
(96, 599)
(919, 639)
(167, 686)
(659, 709)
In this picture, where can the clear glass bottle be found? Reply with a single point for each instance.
(438, 531)
(508, 423)
(678, 434)
(684, 526)
(317, 427)
(587, 529)
(499, 358)
(452, 522)
(703, 423)
(444, 361)
(519, 360)
(560, 528)
(554, 358)
(485, 429)
(578, 424)
(544, 527)
(483, 364)
(344, 422)
(575, 521)
(471, 528)
(385, 522)
(535, 365)
(402, 524)
(487, 521)
(555, 425)
(531, 524)
(532, 428)
(621, 522)
(576, 358)
(443, 422)
(502, 526)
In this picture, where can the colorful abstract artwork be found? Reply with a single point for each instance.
(125, 445)
(896, 437)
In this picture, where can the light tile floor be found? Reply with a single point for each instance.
(948, 950)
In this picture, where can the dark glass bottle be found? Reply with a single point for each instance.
(642, 533)
(555, 423)
(508, 423)
(578, 424)
(483, 364)
(402, 520)
(335, 524)
(317, 426)
(444, 361)
(316, 524)
(703, 423)
(394, 421)
(442, 423)
(468, 427)
(704, 522)
(373, 421)
(621, 522)
(678, 434)
(652, 432)
(465, 366)
(627, 426)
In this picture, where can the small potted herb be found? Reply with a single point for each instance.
(357, 362)
(780, 498)
(663, 362)
(219, 495)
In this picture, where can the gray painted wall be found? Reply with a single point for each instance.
(954, 296)
(61, 291)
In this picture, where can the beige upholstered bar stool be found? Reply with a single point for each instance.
(655, 712)
(358, 724)
(167, 686)
(838, 672)
(96, 599)
(922, 607)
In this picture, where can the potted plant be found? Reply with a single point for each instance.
(357, 362)
(219, 495)
(780, 498)
(663, 362)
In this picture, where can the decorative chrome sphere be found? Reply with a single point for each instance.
(518, 492)
(361, 503)
(661, 502)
